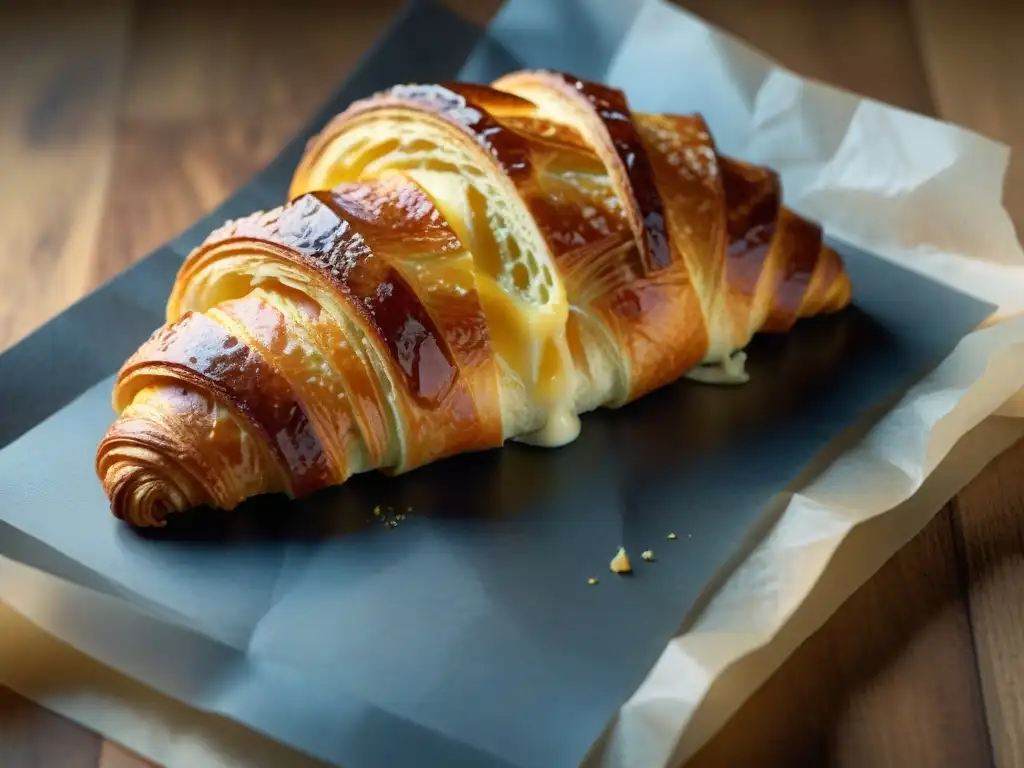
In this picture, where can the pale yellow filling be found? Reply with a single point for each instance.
(521, 294)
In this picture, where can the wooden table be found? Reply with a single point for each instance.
(123, 122)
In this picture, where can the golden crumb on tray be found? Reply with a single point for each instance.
(620, 563)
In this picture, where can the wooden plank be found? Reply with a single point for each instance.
(115, 756)
(233, 58)
(214, 91)
(60, 90)
(989, 514)
(866, 46)
(888, 681)
(168, 172)
(33, 737)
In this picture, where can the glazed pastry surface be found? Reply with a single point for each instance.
(457, 266)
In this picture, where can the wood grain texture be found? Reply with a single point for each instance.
(32, 737)
(186, 167)
(868, 46)
(129, 120)
(989, 518)
(242, 60)
(115, 756)
(213, 92)
(56, 149)
(864, 690)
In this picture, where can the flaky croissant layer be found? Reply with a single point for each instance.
(458, 266)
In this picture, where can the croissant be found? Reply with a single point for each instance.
(457, 266)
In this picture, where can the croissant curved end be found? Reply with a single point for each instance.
(141, 495)
(139, 481)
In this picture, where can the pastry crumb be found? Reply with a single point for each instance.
(620, 563)
(647, 555)
(672, 536)
(591, 581)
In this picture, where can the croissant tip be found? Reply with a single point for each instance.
(141, 498)
(140, 485)
(127, 506)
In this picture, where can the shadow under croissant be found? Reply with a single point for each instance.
(681, 429)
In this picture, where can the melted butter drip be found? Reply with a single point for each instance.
(552, 393)
(561, 428)
(729, 370)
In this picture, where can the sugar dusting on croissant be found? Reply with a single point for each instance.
(458, 266)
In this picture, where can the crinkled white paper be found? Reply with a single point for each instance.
(920, 192)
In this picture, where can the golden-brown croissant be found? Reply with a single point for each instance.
(458, 265)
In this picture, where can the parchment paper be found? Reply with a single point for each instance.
(909, 189)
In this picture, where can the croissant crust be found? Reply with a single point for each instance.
(456, 266)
